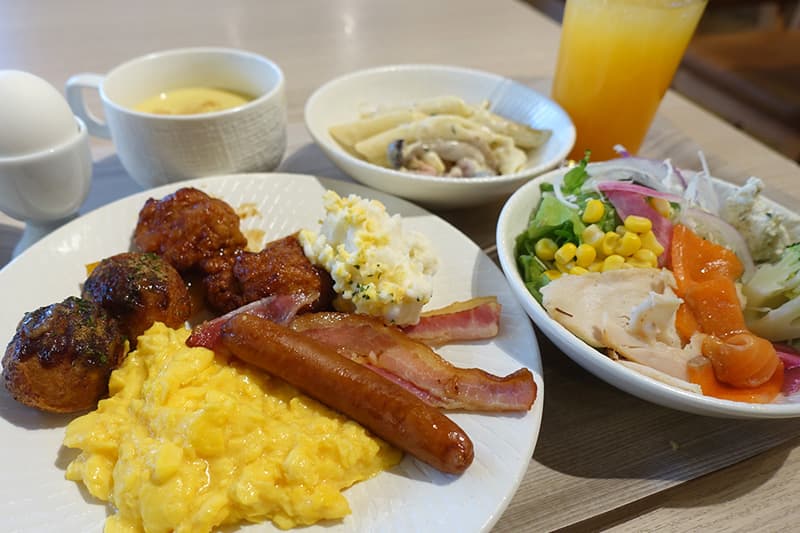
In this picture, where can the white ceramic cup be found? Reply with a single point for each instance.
(160, 149)
(48, 187)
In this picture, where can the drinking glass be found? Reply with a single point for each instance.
(615, 62)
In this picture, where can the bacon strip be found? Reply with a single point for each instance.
(280, 308)
(475, 319)
(390, 352)
(379, 405)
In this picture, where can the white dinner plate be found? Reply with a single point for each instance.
(35, 496)
(513, 220)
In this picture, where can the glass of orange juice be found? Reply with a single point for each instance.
(615, 62)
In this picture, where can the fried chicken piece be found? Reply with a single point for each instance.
(223, 292)
(280, 268)
(139, 289)
(187, 228)
(62, 355)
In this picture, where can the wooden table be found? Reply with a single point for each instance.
(604, 458)
(752, 78)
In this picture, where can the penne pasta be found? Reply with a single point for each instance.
(438, 105)
(353, 132)
(525, 137)
(440, 136)
(438, 127)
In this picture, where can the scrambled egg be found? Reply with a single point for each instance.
(378, 268)
(189, 440)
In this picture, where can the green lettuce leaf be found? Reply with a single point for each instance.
(576, 176)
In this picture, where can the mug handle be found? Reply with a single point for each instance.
(75, 86)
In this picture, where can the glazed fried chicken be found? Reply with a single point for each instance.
(188, 228)
(62, 355)
(200, 236)
(280, 268)
(139, 289)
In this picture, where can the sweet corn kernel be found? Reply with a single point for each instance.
(545, 249)
(646, 256)
(650, 242)
(592, 235)
(661, 206)
(628, 244)
(566, 253)
(597, 266)
(594, 211)
(578, 271)
(613, 262)
(552, 274)
(564, 268)
(620, 230)
(636, 263)
(638, 224)
(585, 255)
(610, 240)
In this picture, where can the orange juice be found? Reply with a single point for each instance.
(615, 62)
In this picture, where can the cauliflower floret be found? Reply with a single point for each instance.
(773, 297)
(763, 229)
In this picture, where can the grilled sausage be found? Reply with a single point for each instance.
(381, 406)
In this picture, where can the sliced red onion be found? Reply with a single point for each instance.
(791, 368)
(658, 175)
(676, 171)
(789, 356)
(631, 199)
(706, 224)
(703, 162)
(700, 192)
(791, 381)
(624, 186)
(621, 150)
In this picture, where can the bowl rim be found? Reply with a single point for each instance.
(590, 358)
(274, 92)
(333, 147)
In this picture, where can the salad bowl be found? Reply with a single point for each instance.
(514, 220)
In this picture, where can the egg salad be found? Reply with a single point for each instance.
(378, 268)
(189, 440)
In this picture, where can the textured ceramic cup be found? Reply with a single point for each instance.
(159, 149)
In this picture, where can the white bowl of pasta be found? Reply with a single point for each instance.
(441, 136)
